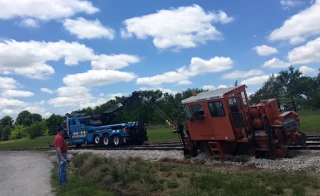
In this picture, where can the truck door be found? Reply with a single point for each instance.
(237, 115)
(222, 129)
(198, 121)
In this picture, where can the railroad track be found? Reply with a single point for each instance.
(313, 143)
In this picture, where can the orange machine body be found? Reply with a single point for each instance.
(222, 122)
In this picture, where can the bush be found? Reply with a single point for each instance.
(18, 132)
(36, 129)
(6, 131)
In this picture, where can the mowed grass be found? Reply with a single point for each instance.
(310, 121)
(43, 141)
(161, 133)
(132, 176)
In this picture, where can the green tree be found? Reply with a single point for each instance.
(6, 121)
(52, 122)
(24, 118)
(36, 129)
(18, 132)
(27, 118)
(6, 131)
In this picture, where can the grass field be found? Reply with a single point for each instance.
(310, 123)
(133, 176)
(27, 143)
(155, 134)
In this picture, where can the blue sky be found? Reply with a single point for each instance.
(57, 56)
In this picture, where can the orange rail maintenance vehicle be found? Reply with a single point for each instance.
(223, 122)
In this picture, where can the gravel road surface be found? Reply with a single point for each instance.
(24, 173)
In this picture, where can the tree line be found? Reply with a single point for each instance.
(155, 106)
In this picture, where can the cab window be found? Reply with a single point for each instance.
(216, 109)
(187, 112)
(244, 98)
(197, 109)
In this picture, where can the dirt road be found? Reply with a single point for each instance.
(24, 173)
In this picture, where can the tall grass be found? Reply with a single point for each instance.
(133, 176)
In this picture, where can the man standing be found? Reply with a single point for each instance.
(61, 148)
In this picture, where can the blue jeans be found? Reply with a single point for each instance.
(62, 172)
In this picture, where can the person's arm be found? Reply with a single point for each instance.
(60, 153)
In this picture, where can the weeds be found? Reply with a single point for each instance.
(133, 176)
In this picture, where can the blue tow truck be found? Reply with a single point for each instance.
(89, 128)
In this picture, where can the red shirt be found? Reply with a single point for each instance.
(59, 142)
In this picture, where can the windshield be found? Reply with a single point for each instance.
(187, 112)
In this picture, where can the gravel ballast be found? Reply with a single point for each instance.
(150, 155)
(308, 161)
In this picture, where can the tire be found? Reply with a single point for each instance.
(96, 140)
(117, 140)
(106, 140)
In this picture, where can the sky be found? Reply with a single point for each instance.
(57, 56)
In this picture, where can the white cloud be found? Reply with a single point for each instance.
(6, 103)
(265, 50)
(164, 90)
(88, 29)
(40, 71)
(114, 61)
(287, 4)
(30, 58)
(71, 96)
(307, 70)
(98, 78)
(242, 74)
(197, 66)
(297, 40)
(8, 83)
(78, 96)
(68, 91)
(45, 9)
(209, 87)
(13, 107)
(256, 80)
(10, 112)
(46, 90)
(275, 63)
(17, 93)
(28, 22)
(308, 53)
(299, 26)
(249, 93)
(184, 82)
(183, 27)
(100, 101)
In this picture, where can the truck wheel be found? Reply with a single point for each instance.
(116, 140)
(96, 139)
(106, 140)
